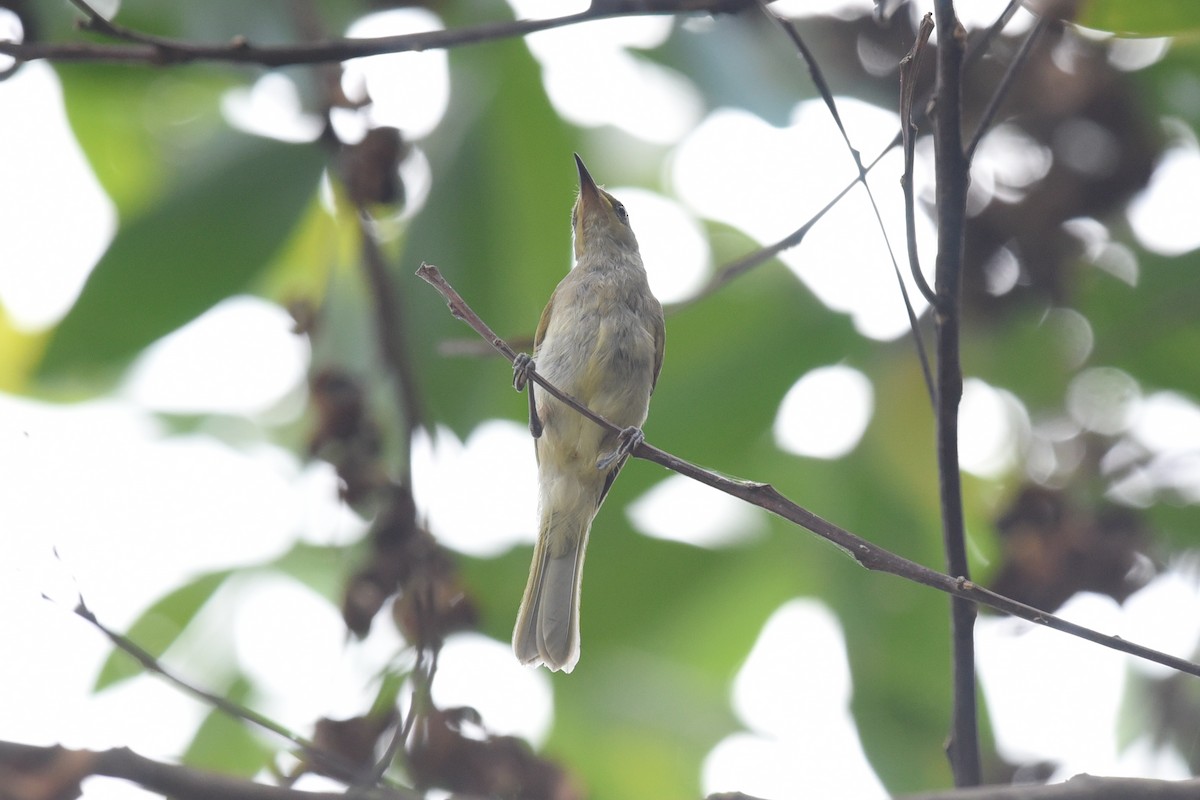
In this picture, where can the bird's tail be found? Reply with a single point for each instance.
(547, 630)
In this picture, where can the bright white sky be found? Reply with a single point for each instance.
(130, 527)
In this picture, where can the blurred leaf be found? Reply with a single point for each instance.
(753, 81)
(1128, 18)
(320, 568)
(1026, 356)
(732, 357)
(142, 129)
(205, 241)
(21, 352)
(228, 745)
(262, 22)
(159, 626)
(897, 639)
(300, 271)
(497, 223)
(1167, 294)
(48, 22)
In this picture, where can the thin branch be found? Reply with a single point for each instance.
(951, 171)
(910, 67)
(97, 23)
(1006, 82)
(981, 45)
(735, 269)
(765, 496)
(145, 49)
(818, 79)
(393, 339)
(59, 767)
(1081, 787)
(331, 762)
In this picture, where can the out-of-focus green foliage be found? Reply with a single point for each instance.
(206, 214)
(208, 239)
(160, 626)
(228, 745)
(1128, 17)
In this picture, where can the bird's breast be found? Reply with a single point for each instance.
(599, 348)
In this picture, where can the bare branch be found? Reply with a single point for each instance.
(735, 269)
(1081, 787)
(910, 67)
(58, 766)
(951, 170)
(392, 335)
(330, 762)
(818, 79)
(765, 496)
(141, 48)
(1006, 82)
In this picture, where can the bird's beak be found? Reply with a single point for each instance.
(589, 192)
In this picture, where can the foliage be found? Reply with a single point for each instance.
(207, 214)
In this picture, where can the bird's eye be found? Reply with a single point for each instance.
(621, 213)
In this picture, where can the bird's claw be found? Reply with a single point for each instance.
(522, 366)
(628, 440)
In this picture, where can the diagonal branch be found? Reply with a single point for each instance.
(735, 269)
(140, 48)
(330, 762)
(765, 496)
(818, 79)
(1006, 82)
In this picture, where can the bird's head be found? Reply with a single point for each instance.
(599, 220)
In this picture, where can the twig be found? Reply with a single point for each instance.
(145, 49)
(910, 67)
(981, 45)
(818, 79)
(1081, 787)
(393, 339)
(735, 269)
(332, 762)
(765, 496)
(58, 766)
(1006, 82)
(420, 703)
(962, 746)
(96, 22)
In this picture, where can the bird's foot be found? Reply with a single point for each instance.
(522, 366)
(628, 440)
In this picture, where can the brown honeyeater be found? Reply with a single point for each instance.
(600, 340)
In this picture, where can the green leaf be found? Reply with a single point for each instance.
(206, 240)
(227, 745)
(322, 569)
(497, 224)
(1132, 18)
(1166, 294)
(159, 626)
(141, 129)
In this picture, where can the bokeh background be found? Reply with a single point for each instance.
(189, 321)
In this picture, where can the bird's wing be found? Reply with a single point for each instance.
(660, 344)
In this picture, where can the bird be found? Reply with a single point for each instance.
(600, 340)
